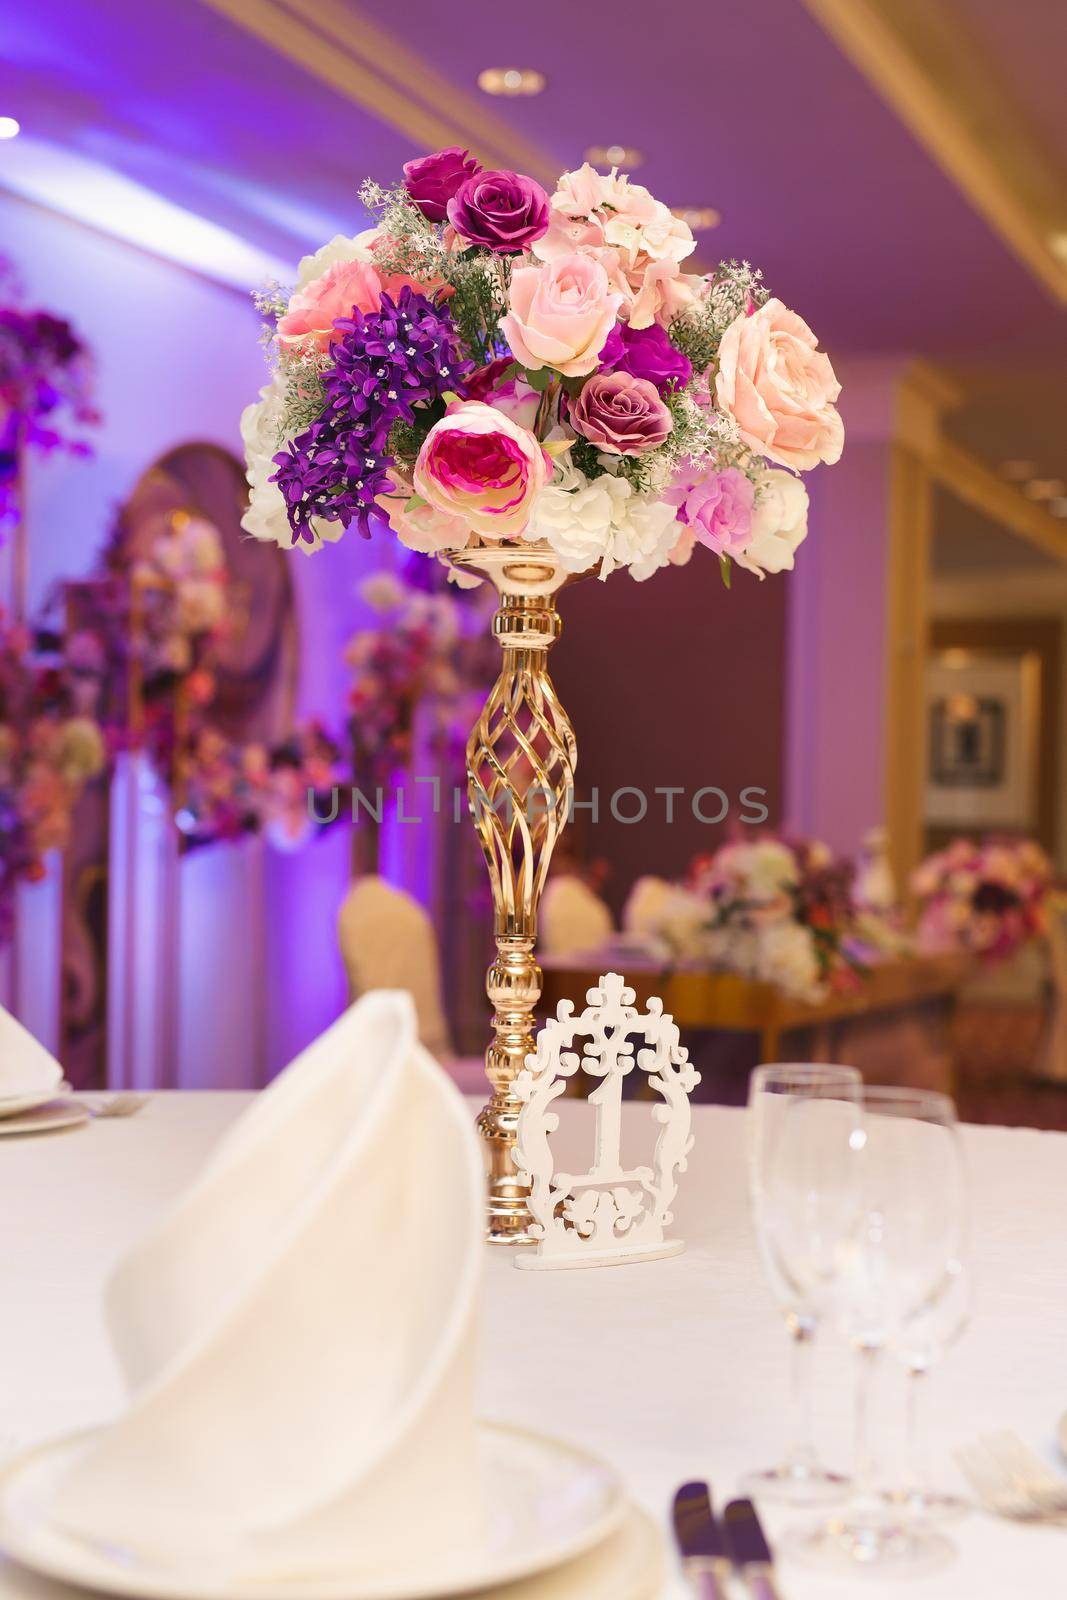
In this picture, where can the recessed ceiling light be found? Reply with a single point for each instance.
(698, 217)
(614, 155)
(511, 80)
(1044, 488)
(9, 127)
(1058, 507)
(1018, 471)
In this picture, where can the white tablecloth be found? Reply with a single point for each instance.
(671, 1369)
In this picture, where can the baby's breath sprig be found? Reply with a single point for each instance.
(732, 289)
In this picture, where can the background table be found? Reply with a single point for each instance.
(671, 1369)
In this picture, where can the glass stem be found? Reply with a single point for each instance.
(865, 1471)
(918, 1477)
(802, 1331)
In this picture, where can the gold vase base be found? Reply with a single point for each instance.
(508, 1219)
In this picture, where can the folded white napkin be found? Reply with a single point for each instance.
(298, 1332)
(25, 1066)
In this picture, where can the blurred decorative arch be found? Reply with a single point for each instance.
(256, 667)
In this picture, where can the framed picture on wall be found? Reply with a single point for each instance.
(982, 716)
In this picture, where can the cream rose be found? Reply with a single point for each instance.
(779, 524)
(560, 315)
(780, 388)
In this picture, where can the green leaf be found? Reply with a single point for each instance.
(539, 380)
(413, 502)
(725, 570)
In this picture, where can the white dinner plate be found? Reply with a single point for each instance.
(13, 1105)
(43, 1118)
(546, 1503)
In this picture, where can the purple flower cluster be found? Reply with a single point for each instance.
(44, 370)
(387, 362)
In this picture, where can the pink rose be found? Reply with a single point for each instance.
(478, 465)
(717, 509)
(621, 414)
(560, 315)
(346, 286)
(780, 388)
(313, 310)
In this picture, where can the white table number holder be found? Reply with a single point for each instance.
(609, 1215)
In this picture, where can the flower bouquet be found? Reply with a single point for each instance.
(531, 386)
(48, 752)
(989, 898)
(46, 381)
(779, 911)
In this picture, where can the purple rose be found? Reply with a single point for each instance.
(646, 353)
(621, 414)
(504, 211)
(431, 181)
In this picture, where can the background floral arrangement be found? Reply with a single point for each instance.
(48, 752)
(422, 660)
(779, 911)
(229, 789)
(46, 383)
(989, 898)
(493, 363)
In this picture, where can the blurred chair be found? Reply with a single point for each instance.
(646, 905)
(572, 918)
(388, 942)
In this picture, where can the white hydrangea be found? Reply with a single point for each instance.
(787, 958)
(266, 517)
(602, 520)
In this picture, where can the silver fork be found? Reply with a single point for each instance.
(1001, 1491)
(123, 1104)
(1029, 1472)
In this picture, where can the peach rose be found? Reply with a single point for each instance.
(344, 287)
(780, 388)
(339, 279)
(560, 315)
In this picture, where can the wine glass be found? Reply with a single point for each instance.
(921, 1345)
(774, 1094)
(883, 1261)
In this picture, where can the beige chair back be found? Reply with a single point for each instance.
(573, 918)
(388, 942)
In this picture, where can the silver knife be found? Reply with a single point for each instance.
(705, 1562)
(748, 1549)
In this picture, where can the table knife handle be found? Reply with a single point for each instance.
(707, 1582)
(761, 1584)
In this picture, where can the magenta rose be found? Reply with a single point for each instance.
(717, 508)
(431, 181)
(646, 353)
(504, 211)
(621, 414)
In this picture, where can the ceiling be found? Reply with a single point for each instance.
(751, 109)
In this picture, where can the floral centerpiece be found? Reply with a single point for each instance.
(48, 752)
(531, 386)
(775, 910)
(493, 363)
(46, 382)
(989, 898)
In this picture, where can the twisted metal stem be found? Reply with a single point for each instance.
(520, 778)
